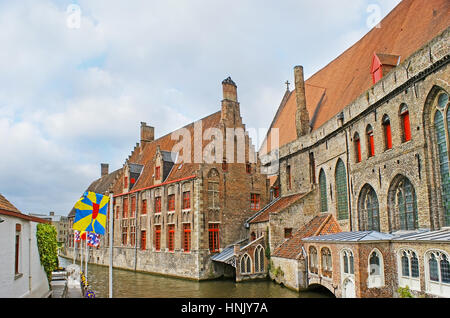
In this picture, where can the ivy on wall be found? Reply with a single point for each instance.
(48, 248)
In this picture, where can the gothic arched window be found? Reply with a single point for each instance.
(370, 141)
(387, 132)
(357, 143)
(437, 273)
(405, 123)
(313, 265)
(341, 190)
(402, 205)
(246, 264)
(441, 126)
(259, 259)
(323, 191)
(369, 215)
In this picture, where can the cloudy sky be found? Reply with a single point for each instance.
(78, 77)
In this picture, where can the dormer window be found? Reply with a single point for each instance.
(381, 65)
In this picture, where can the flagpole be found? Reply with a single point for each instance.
(81, 252)
(87, 256)
(111, 229)
(74, 247)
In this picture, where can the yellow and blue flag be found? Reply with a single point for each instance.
(90, 213)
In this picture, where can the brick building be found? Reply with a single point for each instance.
(182, 198)
(366, 140)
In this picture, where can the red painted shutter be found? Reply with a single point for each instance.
(372, 146)
(358, 150)
(406, 126)
(388, 136)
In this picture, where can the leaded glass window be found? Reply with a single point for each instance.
(403, 205)
(441, 129)
(341, 189)
(369, 218)
(323, 191)
(445, 269)
(433, 266)
(405, 264)
(374, 264)
(414, 265)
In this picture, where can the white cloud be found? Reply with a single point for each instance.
(73, 98)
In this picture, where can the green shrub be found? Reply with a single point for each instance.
(404, 292)
(48, 248)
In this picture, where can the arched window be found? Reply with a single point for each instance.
(357, 143)
(323, 191)
(408, 269)
(370, 141)
(404, 119)
(347, 262)
(246, 264)
(369, 215)
(437, 273)
(327, 265)
(441, 126)
(402, 205)
(313, 265)
(259, 259)
(341, 190)
(387, 132)
(376, 269)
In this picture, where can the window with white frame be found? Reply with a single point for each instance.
(313, 265)
(408, 269)
(347, 262)
(246, 264)
(327, 265)
(437, 273)
(376, 269)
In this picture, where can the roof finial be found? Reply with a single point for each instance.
(287, 85)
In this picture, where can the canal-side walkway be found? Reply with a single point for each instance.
(67, 283)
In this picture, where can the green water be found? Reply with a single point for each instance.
(129, 284)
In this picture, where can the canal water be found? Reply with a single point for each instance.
(130, 284)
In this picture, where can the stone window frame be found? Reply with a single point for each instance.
(313, 267)
(405, 122)
(370, 141)
(259, 259)
(387, 131)
(363, 210)
(323, 191)
(326, 262)
(374, 279)
(341, 190)
(357, 145)
(187, 238)
(408, 280)
(440, 153)
(438, 288)
(347, 254)
(213, 195)
(245, 264)
(400, 199)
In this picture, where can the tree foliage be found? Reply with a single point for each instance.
(48, 248)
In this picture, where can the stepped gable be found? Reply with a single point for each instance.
(319, 225)
(276, 207)
(408, 27)
(165, 143)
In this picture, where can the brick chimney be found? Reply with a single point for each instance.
(301, 115)
(147, 133)
(231, 114)
(104, 168)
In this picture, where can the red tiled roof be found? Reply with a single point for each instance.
(277, 207)
(319, 225)
(166, 143)
(7, 208)
(408, 27)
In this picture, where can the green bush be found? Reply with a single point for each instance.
(48, 248)
(404, 292)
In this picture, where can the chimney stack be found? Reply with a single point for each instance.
(104, 167)
(301, 115)
(147, 133)
(229, 89)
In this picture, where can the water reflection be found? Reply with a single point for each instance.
(142, 285)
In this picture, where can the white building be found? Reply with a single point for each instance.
(21, 272)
